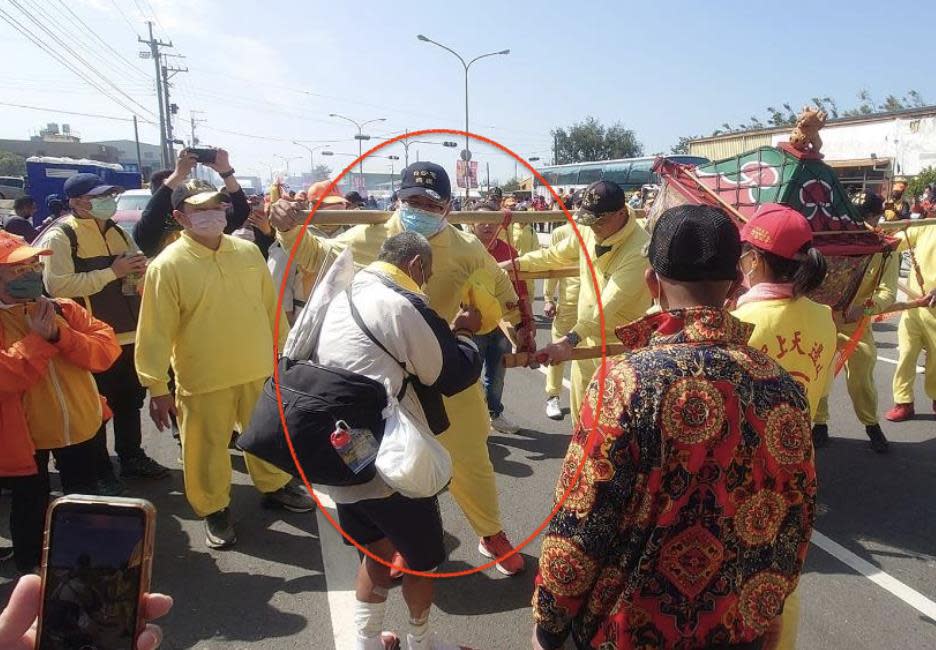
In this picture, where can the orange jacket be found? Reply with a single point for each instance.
(48, 398)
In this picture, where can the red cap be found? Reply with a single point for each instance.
(777, 229)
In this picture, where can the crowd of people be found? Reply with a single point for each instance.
(684, 523)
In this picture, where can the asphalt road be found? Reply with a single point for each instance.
(287, 582)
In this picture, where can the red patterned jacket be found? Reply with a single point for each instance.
(690, 521)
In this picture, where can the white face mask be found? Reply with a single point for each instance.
(208, 223)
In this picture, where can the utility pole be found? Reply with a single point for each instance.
(193, 139)
(136, 138)
(171, 109)
(154, 46)
(195, 121)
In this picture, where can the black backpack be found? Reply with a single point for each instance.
(315, 398)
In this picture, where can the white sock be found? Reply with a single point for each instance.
(368, 619)
(418, 628)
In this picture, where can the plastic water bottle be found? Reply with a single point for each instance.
(357, 447)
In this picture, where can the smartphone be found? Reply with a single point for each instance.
(96, 566)
(204, 155)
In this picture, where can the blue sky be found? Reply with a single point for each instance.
(275, 70)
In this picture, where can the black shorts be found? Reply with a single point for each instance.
(413, 526)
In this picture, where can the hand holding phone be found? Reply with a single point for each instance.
(96, 569)
(204, 155)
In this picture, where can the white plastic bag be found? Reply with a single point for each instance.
(410, 460)
(304, 334)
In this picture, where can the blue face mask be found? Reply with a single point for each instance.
(27, 286)
(422, 221)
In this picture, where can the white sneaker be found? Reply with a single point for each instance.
(553, 410)
(430, 642)
(502, 424)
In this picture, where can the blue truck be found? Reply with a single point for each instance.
(46, 175)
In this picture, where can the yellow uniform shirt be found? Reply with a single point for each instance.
(623, 290)
(568, 288)
(212, 313)
(798, 334)
(455, 256)
(923, 239)
(620, 273)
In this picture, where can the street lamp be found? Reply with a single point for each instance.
(360, 135)
(406, 145)
(391, 158)
(286, 160)
(467, 156)
(311, 151)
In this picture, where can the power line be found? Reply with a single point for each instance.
(64, 112)
(77, 38)
(105, 43)
(155, 15)
(126, 20)
(77, 56)
(13, 22)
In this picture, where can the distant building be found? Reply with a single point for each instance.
(867, 151)
(127, 155)
(60, 149)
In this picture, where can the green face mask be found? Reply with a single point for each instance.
(103, 208)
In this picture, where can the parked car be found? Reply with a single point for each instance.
(130, 206)
(12, 187)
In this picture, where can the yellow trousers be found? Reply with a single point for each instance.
(582, 373)
(205, 424)
(789, 624)
(473, 484)
(859, 378)
(561, 325)
(916, 332)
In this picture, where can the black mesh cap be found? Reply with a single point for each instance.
(695, 243)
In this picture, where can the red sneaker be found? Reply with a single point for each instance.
(397, 563)
(901, 413)
(497, 546)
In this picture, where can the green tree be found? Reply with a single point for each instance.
(511, 185)
(682, 147)
(591, 140)
(12, 164)
(914, 99)
(321, 172)
(891, 103)
(921, 180)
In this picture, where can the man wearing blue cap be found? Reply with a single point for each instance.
(425, 196)
(96, 264)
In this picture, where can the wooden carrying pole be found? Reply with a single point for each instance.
(357, 217)
(523, 359)
(551, 274)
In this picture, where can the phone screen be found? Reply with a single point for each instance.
(93, 578)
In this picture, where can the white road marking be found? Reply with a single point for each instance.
(340, 566)
(907, 594)
(920, 369)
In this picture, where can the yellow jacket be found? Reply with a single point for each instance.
(50, 384)
(923, 239)
(620, 274)
(880, 286)
(568, 287)
(211, 313)
(455, 256)
(62, 280)
(798, 334)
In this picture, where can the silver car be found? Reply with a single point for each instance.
(12, 187)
